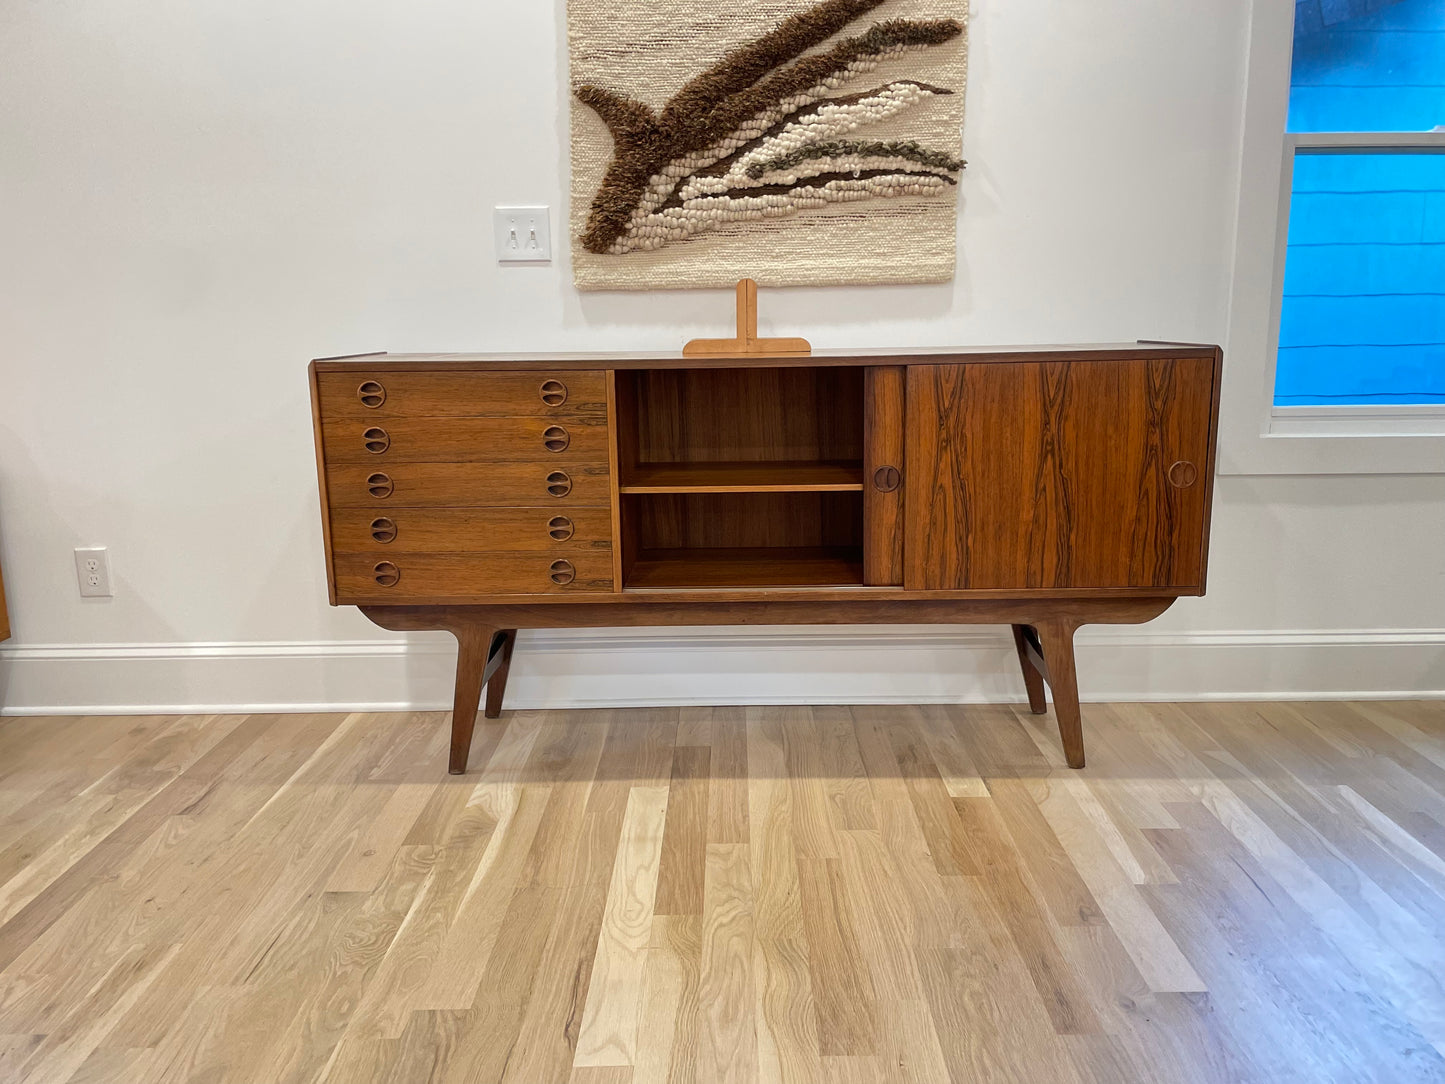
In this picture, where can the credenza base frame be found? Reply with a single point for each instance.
(1043, 631)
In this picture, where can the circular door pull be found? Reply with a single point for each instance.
(379, 485)
(386, 573)
(555, 438)
(383, 529)
(553, 392)
(886, 479)
(560, 528)
(559, 484)
(371, 394)
(376, 439)
(562, 572)
(1183, 474)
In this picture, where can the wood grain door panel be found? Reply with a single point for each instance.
(1038, 475)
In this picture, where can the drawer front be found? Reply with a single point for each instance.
(467, 440)
(390, 577)
(536, 485)
(453, 530)
(366, 397)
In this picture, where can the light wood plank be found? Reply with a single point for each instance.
(670, 1012)
(609, 1025)
(684, 840)
(786, 1017)
(842, 987)
(728, 1046)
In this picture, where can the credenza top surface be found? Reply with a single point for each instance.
(672, 359)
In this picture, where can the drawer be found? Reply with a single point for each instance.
(449, 530)
(362, 396)
(537, 485)
(384, 578)
(490, 440)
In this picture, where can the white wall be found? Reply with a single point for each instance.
(197, 197)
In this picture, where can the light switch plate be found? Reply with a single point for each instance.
(524, 234)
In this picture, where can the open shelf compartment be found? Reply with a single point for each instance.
(740, 430)
(740, 477)
(678, 540)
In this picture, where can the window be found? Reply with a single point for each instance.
(1361, 319)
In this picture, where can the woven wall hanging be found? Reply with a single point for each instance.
(793, 142)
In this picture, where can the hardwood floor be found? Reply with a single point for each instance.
(883, 894)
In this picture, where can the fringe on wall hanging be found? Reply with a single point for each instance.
(796, 143)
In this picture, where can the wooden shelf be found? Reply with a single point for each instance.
(788, 567)
(744, 477)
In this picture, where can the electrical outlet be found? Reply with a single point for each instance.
(524, 234)
(92, 569)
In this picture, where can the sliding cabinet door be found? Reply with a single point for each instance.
(1040, 475)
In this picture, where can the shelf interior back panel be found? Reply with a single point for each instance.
(794, 415)
(667, 521)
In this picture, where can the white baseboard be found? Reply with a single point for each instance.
(590, 668)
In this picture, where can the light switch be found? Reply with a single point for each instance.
(524, 234)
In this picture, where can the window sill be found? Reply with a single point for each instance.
(1383, 420)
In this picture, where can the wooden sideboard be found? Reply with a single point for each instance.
(1039, 488)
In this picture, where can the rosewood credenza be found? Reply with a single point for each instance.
(1042, 488)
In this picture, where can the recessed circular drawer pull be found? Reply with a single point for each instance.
(559, 484)
(379, 485)
(1183, 474)
(371, 394)
(886, 479)
(383, 529)
(562, 572)
(553, 392)
(555, 438)
(376, 439)
(386, 573)
(560, 528)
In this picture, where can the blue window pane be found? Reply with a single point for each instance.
(1363, 319)
(1368, 66)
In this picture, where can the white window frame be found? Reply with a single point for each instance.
(1257, 437)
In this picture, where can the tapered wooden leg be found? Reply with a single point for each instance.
(1033, 680)
(473, 643)
(1057, 638)
(497, 683)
